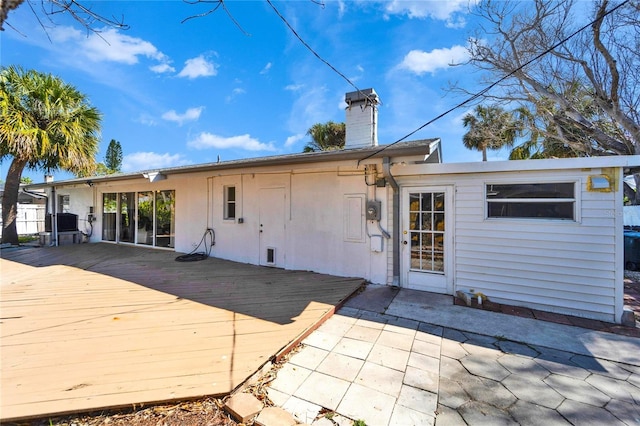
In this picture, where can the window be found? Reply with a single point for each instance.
(531, 200)
(229, 202)
(63, 204)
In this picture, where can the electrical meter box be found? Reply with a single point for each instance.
(373, 210)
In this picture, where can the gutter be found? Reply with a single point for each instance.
(386, 169)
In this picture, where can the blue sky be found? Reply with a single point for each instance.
(178, 93)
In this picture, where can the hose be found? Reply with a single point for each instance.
(196, 255)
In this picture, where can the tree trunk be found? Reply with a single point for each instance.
(10, 202)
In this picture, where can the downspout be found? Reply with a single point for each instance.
(54, 216)
(386, 168)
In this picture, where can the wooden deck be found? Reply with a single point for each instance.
(90, 326)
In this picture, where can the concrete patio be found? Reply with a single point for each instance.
(401, 357)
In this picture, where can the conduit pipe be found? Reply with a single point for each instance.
(386, 172)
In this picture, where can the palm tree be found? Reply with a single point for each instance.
(326, 137)
(490, 127)
(46, 124)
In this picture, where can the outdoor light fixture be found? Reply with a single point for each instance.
(599, 183)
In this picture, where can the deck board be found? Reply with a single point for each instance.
(94, 326)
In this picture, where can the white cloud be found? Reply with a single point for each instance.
(110, 45)
(420, 62)
(294, 87)
(191, 114)
(235, 93)
(151, 160)
(292, 140)
(441, 10)
(206, 140)
(266, 68)
(113, 46)
(198, 67)
(146, 119)
(162, 68)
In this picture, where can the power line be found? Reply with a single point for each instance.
(305, 44)
(492, 85)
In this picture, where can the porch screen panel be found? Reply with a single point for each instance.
(109, 213)
(144, 233)
(427, 227)
(165, 218)
(127, 217)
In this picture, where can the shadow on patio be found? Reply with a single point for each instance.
(98, 325)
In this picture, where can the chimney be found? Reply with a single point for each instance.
(362, 119)
(48, 178)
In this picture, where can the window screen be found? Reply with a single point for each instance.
(229, 202)
(531, 200)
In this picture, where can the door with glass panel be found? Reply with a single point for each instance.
(127, 221)
(427, 235)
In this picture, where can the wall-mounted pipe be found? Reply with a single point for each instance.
(386, 168)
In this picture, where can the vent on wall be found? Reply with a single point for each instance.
(271, 255)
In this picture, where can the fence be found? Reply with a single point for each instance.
(30, 219)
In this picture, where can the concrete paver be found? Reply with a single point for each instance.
(528, 413)
(531, 389)
(324, 390)
(370, 405)
(577, 390)
(485, 366)
(275, 416)
(353, 348)
(523, 365)
(421, 379)
(389, 357)
(341, 366)
(303, 411)
(418, 399)
(309, 357)
(380, 378)
(407, 366)
(578, 413)
(403, 416)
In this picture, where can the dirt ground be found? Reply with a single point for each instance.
(209, 411)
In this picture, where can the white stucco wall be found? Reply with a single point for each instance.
(314, 220)
(314, 216)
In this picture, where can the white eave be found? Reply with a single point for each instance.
(420, 148)
(628, 162)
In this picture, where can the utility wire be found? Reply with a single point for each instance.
(494, 84)
(305, 44)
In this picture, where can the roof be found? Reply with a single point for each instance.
(429, 149)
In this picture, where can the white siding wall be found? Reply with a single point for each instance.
(558, 266)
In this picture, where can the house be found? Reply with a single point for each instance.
(546, 234)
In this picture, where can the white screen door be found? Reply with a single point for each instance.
(426, 245)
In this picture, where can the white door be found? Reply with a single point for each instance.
(427, 235)
(272, 226)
